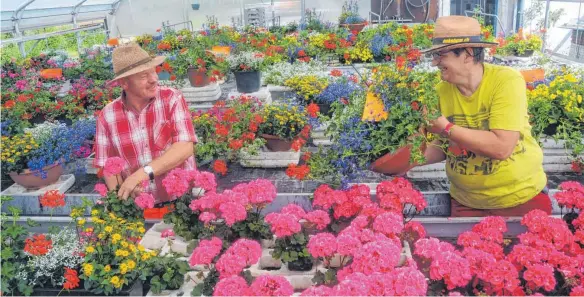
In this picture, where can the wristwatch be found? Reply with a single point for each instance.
(149, 171)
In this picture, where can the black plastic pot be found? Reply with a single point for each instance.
(527, 53)
(551, 129)
(325, 109)
(135, 289)
(302, 264)
(247, 81)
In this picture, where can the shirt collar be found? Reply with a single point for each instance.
(126, 107)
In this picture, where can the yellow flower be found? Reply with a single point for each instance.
(132, 248)
(116, 237)
(89, 249)
(123, 268)
(145, 257)
(124, 244)
(112, 216)
(81, 222)
(94, 212)
(119, 253)
(141, 248)
(87, 269)
(75, 213)
(116, 282)
(141, 230)
(108, 229)
(131, 264)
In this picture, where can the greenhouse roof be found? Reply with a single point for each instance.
(19, 15)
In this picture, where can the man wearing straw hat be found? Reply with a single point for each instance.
(493, 163)
(148, 126)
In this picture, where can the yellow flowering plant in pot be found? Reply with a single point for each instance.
(284, 127)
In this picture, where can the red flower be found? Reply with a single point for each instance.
(22, 98)
(336, 72)
(305, 133)
(173, 77)
(415, 105)
(346, 56)
(221, 130)
(577, 166)
(236, 144)
(298, 143)
(71, 279)
(37, 246)
(400, 62)
(301, 53)
(9, 104)
(220, 167)
(312, 110)
(306, 156)
(298, 172)
(52, 199)
(248, 136)
(354, 79)
(201, 62)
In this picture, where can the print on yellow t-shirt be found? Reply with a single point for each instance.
(499, 103)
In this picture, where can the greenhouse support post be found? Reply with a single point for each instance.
(74, 13)
(16, 20)
(545, 24)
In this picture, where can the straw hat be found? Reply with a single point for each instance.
(130, 59)
(456, 31)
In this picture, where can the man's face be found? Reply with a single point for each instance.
(451, 66)
(142, 84)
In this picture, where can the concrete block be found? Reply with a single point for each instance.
(193, 278)
(323, 142)
(64, 183)
(153, 241)
(202, 94)
(180, 245)
(263, 94)
(160, 226)
(267, 159)
(267, 261)
(300, 280)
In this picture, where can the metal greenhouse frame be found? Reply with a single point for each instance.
(49, 13)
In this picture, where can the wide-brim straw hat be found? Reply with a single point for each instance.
(130, 59)
(456, 31)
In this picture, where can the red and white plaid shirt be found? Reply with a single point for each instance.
(139, 138)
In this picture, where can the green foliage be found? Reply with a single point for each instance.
(206, 287)
(165, 273)
(12, 256)
(291, 248)
(185, 222)
(253, 227)
(126, 209)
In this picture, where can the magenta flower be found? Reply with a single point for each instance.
(322, 245)
(270, 285)
(232, 286)
(144, 200)
(206, 217)
(176, 182)
(319, 218)
(167, 233)
(101, 189)
(206, 251)
(283, 225)
(294, 210)
(389, 223)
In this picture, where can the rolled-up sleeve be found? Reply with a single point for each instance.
(181, 119)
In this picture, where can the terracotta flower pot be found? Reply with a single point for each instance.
(277, 144)
(395, 163)
(198, 78)
(355, 27)
(28, 180)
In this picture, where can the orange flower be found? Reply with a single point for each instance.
(220, 167)
(9, 104)
(312, 109)
(173, 77)
(298, 172)
(336, 72)
(306, 156)
(298, 143)
(52, 199)
(37, 246)
(113, 42)
(71, 279)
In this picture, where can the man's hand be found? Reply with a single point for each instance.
(132, 184)
(437, 126)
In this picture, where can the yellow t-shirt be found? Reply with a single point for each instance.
(499, 103)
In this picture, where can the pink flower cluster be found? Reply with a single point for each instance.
(101, 189)
(206, 252)
(571, 196)
(395, 194)
(232, 286)
(229, 205)
(376, 256)
(389, 223)
(344, 203)
(241, 254)
(144, 200)
(322, 245)
(179, 181)
(167, 233)
(270, 285)
(320, 219)
(283, 224)
(259, 191)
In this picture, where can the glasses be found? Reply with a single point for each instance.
(436, 55)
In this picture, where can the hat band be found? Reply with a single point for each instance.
(454, 40)
(139, 63)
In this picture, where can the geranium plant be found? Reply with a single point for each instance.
(227, 128)
(518, 43)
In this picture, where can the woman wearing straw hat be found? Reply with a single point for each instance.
(494, 165)
(148, 126)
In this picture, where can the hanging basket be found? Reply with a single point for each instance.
(355, 27)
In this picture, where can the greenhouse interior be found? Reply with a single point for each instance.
(292, 147)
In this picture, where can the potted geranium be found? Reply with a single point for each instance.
(283, 126)
(227, 129)
(350, 17)
(246, 68)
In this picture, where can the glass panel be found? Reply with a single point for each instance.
(40, 4)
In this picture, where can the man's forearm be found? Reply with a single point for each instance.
(434, 153)
(483, 143)
(111, 182)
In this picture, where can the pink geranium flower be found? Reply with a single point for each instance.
(206, 217)
(294, 210)
(206, 251)
(282, 224)
(113, 166)
(319, 218)
(232, 286)
(269, 285)
(176, 182)
(145, 200)
(389, 223)
(322, 245)
(101, 189)
(167, 233)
